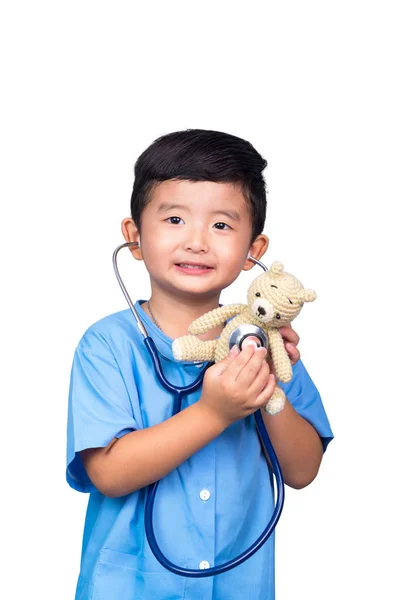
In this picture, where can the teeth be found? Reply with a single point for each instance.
(193, 266)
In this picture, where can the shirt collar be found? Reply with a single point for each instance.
(162, 341)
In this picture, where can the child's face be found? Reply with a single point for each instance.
(203, 224)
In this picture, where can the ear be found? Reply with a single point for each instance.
(131, 234)
(276, 267)
(257, 249)
(307, 296)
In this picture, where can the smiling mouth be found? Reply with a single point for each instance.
(188, 266)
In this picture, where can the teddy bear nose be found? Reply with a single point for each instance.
(261, 311)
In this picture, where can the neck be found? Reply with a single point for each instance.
(174, 315)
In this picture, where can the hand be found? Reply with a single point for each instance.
(237, 386)
(291, 340)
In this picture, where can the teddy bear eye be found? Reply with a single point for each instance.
(290, 301)
(275, 286)
(277, 316)
(258, 294)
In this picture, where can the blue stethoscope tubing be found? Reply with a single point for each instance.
(177, 393)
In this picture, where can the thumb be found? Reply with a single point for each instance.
(223, 364)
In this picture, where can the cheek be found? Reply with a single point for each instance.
(165, 240)
(233, 253)
(230, 262)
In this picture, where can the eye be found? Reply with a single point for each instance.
(258, 294)
(290, 301)
(174, 220)
(223, 226)
(277, 316)
(275, 286)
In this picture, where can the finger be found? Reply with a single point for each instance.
(236, 366)
(252, 367)
(251, 339)
(267, 392)
(260, 381)
(293, 353)
(289, 335)
(221, 366)
(240, 356)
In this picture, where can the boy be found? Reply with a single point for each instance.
(198, 208)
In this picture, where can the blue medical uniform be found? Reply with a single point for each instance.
(207, 511)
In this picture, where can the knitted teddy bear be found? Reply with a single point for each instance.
(274, 299)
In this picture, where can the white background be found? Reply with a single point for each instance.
(87, 86)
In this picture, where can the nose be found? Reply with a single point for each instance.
(261, 310)
(197, 240)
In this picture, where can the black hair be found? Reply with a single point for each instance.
(201, 155)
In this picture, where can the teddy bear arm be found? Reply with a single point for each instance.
(215, 317)
(280, 358)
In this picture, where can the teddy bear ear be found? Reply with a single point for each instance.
(307, 296)
(276, 267)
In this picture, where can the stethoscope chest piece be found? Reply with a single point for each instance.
(241, 333)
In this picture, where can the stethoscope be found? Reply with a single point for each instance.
(237, 337)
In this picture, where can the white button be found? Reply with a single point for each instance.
(204, 564)
(205, 494)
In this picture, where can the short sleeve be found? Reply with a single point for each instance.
(305, 399)
(99, 406)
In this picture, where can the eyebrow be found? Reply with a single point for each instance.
(232, 214)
